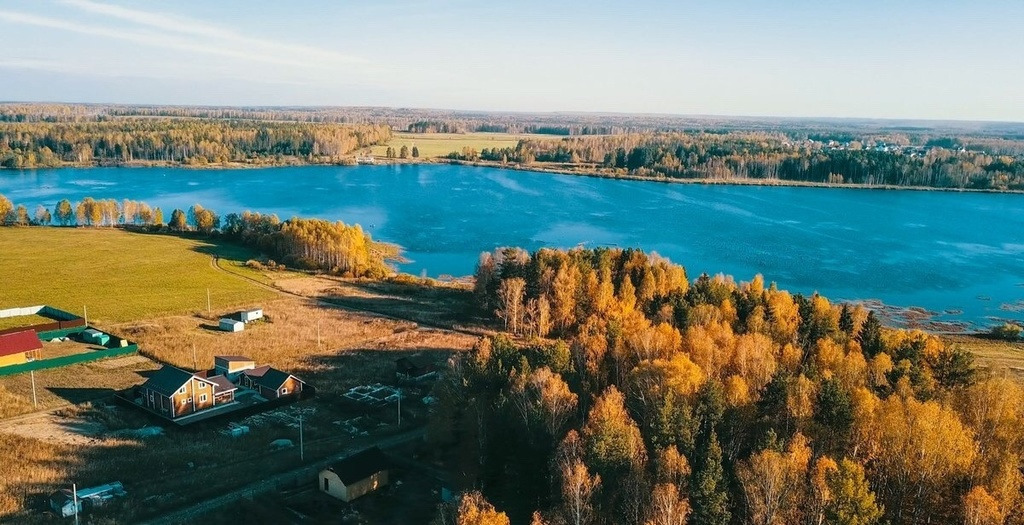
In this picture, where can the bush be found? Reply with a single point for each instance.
(1007, 332)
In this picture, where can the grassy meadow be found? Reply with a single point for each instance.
(440, 144)
(119, 276)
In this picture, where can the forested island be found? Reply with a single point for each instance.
(919, 154)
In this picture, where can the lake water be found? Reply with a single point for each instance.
(946, 252)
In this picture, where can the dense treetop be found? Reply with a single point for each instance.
(626, 393)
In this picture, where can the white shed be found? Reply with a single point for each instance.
(231, 325)
(252, 315)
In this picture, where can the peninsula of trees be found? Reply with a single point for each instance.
(310, 244)
(626, 394)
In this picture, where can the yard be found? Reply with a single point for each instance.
(117, 275)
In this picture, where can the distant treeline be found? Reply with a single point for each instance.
(311, 244)
(774, 156)
(179, 141)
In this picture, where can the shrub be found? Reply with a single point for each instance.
(1007, 332)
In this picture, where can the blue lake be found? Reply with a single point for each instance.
(946, 252)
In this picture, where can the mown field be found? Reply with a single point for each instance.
(441, 144)
(118, 275)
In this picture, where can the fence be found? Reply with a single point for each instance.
(58, 362)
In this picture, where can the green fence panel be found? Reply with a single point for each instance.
(58, 362)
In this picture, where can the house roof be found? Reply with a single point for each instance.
(222, 384)
(360, 466)
(232, 358)
(415, 365)
(169, 379)
(272, 378)
(19, 342)
(256, 372)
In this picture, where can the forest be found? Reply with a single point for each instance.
(184, 141)
(891, 159)
(621, 392)
(309, 244)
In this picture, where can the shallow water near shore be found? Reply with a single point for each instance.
(959, 257)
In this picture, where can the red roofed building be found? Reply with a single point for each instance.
(19, 347)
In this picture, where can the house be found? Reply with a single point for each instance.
(415, 369)
(19, 347)
(356, 475)
(173, 392)
(232, 366)
(224, 391)
(271, 383)
(64, 501)
(230, 325)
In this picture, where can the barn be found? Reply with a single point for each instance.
(356, 475)
(19, 347)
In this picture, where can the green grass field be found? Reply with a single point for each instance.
(441, 144)
(118, 275)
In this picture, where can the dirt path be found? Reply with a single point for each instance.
(215, 263)
(272, 483)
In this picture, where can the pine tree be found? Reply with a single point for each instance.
(708, 494)
(870, 336)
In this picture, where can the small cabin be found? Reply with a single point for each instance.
(271, 383)
(64, 501)
(356, 475)
(415, 369)
(231, 325)
(248, 316)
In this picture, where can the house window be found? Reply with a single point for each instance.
(202, 398)
(284, 391)
(186, 401)
(327, 485)
(181, 390)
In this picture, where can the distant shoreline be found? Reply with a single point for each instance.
(527, 168)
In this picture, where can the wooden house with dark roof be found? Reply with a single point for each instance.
(173, 392)
(356, 475)
(415, 368)
(270, 382)
(19, 347)
(232, 365)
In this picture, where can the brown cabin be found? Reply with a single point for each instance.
(173, 392)
(271, 383)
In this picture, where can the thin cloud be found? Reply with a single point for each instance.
(252, 50)
(179, 24)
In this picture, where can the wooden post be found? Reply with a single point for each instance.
(32, 374)
(209, 309)
(302, 451)
(195, 361)
(86, 310)
(74, 495)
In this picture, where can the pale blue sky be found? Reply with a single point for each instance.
(897, 59)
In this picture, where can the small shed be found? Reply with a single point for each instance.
(415, 368)
(232, 365)
(231, 325)
(63, 501)
(19, 347)
(356, 475)
(249, 316)
(95, 337)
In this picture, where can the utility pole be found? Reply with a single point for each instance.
(195, 361)
(86, 310)
(302, 451)
(399, 406)
(318, 334)
(74, 494)
(32, 374)
(209, 309)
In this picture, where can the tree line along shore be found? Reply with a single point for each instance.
(836, 156)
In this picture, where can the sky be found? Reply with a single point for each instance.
(918, 59)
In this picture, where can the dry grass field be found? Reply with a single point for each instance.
(85, 443)
(994, 355)
(118, 275)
